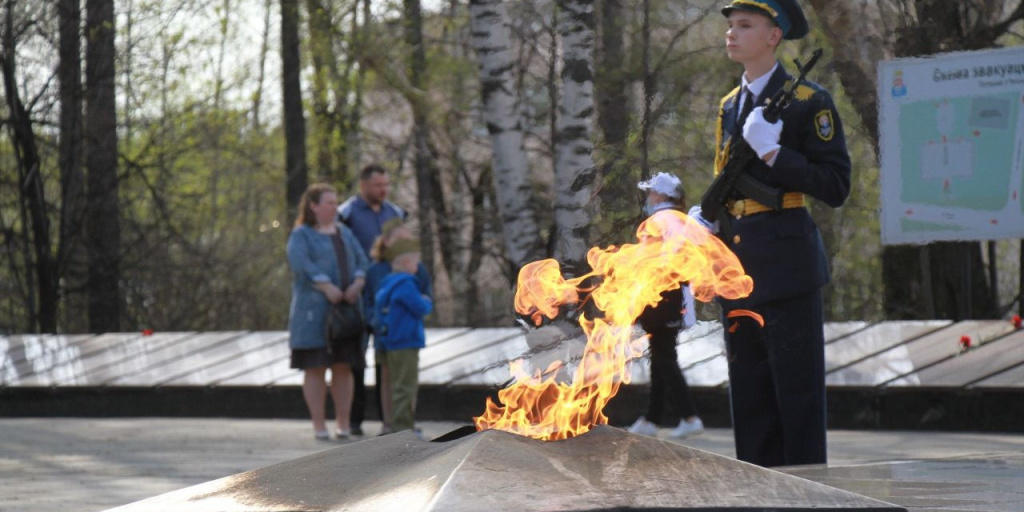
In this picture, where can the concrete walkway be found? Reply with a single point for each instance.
(94, 464)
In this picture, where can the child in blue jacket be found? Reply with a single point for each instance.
(399, 310)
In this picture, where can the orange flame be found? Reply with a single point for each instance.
(672, 248)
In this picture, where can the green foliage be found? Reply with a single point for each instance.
(202, 184)
(203, 228)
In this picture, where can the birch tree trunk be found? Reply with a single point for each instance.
(492, 41)
(575, 174)
(103, 225)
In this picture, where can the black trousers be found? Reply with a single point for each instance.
(667, 381)
(358, 413)
(358, 397)
(777, 383)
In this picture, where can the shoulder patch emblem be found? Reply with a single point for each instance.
(823, 125)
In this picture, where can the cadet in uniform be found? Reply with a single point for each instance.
(777, 372)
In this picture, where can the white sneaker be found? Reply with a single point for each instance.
(643, 427)
(686, 429)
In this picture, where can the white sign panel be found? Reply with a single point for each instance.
(951, 135)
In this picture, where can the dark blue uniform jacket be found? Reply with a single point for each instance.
(782, 251)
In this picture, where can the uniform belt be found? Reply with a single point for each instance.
(741, 207)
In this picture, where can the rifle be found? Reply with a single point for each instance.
(732, 181)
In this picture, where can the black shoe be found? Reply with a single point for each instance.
(357, 430)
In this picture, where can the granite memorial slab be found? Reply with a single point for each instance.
(905, 359)
(225, 360)
(838, 330)
(875, 339)
(990, 483)
(605, 469)
(153, 363)
(96, 354)
(970, 366)
(1009, 378)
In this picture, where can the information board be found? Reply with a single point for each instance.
(951, 136)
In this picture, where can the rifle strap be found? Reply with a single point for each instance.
(741, 207)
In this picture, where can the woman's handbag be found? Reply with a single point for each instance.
(343, 327)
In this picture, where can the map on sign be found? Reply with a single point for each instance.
(952, 138)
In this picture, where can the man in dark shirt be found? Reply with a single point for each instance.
(365, 214)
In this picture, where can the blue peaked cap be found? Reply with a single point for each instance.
(787, 14)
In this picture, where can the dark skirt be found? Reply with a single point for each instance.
(348, 353)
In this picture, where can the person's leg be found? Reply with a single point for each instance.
(383, 389)
(358, 398)
(314, 390)
(656, 399)
(341, 393)
(752, 398)
(797, 348)
(378, 391)
(403, 365)
(386, 403)
(663, 350)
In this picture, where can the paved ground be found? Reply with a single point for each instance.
(93, 464)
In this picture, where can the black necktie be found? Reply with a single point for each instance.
(748, 106)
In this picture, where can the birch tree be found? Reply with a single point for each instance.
(575, 173)
(496, 62)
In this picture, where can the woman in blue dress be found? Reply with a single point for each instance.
(329, 268)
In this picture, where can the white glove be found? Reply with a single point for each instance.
(762, 136)
(695, 214)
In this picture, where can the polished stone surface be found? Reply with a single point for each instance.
(1010, 378)
(910, 357)
(983, 482)
(219, 362)
(604, 469)
(972, 365)
(838, 330)
(61, 464)
(875, 339)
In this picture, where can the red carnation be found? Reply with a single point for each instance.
(147, 332)
(1016, 321)
(965, 342)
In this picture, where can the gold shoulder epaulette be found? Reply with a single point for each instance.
(803, 92)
